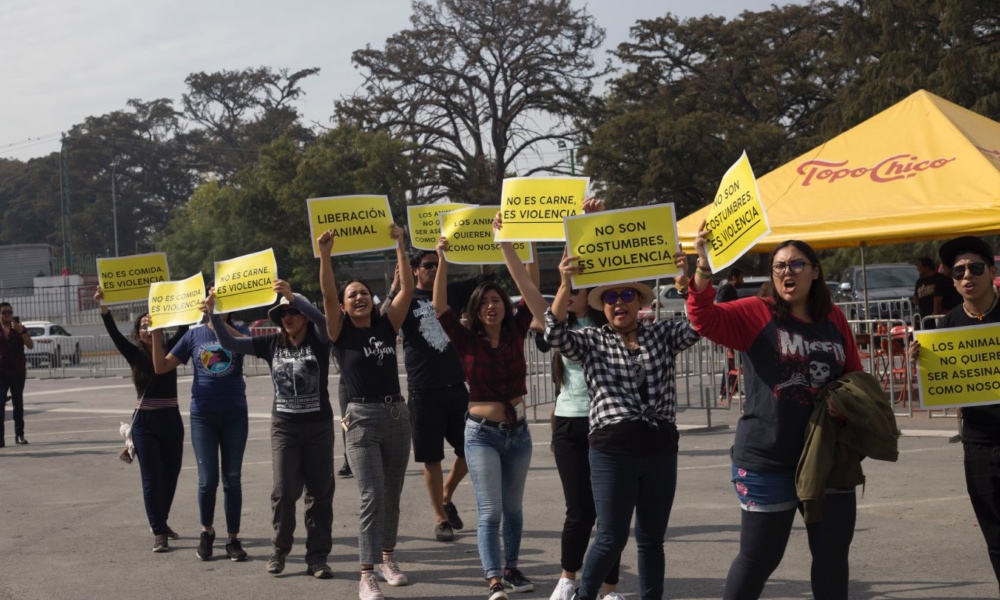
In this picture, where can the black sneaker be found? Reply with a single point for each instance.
(276, 562)
(20, 440)
(345, 471)
(160, 543)
(170, 533)
(235, 552)
(515, 580)
(320, 571)
(443, 532)
(453, 519)
(497, 592)
(204, 550)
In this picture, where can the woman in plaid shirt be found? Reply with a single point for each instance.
(629, 369)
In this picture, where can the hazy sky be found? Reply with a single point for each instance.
(65, 60)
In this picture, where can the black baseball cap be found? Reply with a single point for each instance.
(951, 249)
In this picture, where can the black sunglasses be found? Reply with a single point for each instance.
(627, 295)
(976, 268)
(430, 266)
(291, 312)
(6, 312)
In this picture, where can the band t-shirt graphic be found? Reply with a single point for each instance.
(296, 375)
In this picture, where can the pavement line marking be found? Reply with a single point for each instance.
(87, 389)
(912, 502)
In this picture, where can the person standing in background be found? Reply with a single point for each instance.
(930, 291)
(437, 396)
(13, 370)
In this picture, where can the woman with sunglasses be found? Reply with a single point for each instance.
(972, 266)
(377, 419)
(157, 428)
(219, 426)
(301, 423)
(497, 440)
(794, 342)
(628, 367)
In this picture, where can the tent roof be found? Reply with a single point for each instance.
(924, 168)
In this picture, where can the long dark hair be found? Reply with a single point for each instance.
(376, 312)
(558, 370)
(818, 302)
(141, 377)
(507, 326)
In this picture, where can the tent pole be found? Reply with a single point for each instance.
(864, 282)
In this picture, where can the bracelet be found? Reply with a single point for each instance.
(704, 274)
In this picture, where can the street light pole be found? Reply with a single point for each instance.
(114, 205)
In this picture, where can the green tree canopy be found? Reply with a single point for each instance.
(695, 93)
(472, 86)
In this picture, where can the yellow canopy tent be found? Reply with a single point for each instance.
(924, 168)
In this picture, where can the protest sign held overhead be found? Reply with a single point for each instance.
(737, 219)
(470, 237)
(425, 226)
(245, 282)
(359, 223)
(620, 246)
(176, 303)
(959, 366)
(534, 207)
(127, 279)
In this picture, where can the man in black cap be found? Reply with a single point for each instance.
(437, 396)
(972, 269)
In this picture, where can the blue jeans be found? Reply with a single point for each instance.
(212, 434)
(624, 483)
(158, 436)
(498, 464)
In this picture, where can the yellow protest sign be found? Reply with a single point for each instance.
(737, 219)
(959, 366)
(620, 246)
(360, 223)
(534, 207)
(245, 282)
(127, 279)
(470, 237)
(425, 226)
(176, 303)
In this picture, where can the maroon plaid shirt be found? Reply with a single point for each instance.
(494, 374)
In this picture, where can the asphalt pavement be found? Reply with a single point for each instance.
(72, 523)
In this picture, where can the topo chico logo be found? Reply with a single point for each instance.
(900, 166)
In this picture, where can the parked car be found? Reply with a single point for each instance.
(262, 327)
(751, 286)
(890, 291)
(54, 346)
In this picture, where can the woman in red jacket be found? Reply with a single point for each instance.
(794, 342)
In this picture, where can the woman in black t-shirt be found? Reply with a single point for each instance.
(377, 419)
(157, 428)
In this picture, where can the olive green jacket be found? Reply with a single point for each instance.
(835, 446)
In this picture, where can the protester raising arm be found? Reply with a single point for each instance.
(401, 302)
(440, 296)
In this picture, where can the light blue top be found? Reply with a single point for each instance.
(574, 398)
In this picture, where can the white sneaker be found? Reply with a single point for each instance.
(564, 590)
(368, 588)
(390, 572)
(614, 596)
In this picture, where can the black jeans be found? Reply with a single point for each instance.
(623, 484)
(302, 454)
(982, 479)
(15, 384)
(764, 535)
(158, 436)
(572, 453)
